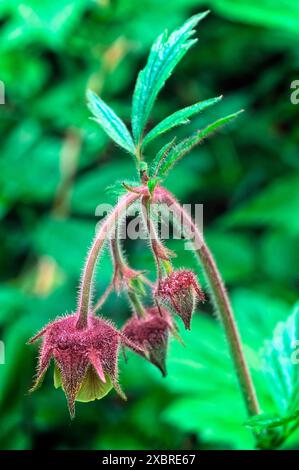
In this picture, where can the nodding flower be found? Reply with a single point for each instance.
(86, 360)
(151, 334)
(179, 291)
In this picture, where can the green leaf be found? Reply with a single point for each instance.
(202, 379)
(240, 265)
(280, 357)
(272, 207)
(255, 308)
(13, 303)
(160, 157)
(110, 122)
(186, 145)
(178, 118)
(65, 241)
(274, 14)
(266, 421)
(49, 21)
(165, 54)
(91, 188)
(33, 155)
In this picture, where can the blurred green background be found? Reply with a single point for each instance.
(56, 163)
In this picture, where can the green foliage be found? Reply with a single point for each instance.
(195, 367)
(165, 54)
(186, 145)
(280, 13)
(160, 157)
(269, 208)
(112, 124)
(56, 164)
(203, 401)
(178, 118)
(200, 394)
(281, 363)
(262, 422)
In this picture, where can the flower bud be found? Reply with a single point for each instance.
(124, 277)
(150, 333)
(179, 291)
(86, 360)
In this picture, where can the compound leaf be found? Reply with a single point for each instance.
(110, 122)
(186, 145)
(281, 363)
(165, 54)
(266, 421)
(178, 118)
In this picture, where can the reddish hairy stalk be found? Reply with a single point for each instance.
(159, 251)
(90, 265)
(103, 297)
(136, 303)
(220, 299)
(123, 273)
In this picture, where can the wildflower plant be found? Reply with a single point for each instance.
(84, 345)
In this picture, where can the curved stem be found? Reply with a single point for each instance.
(220, 299)
(90, 265)
(103, 297)
(160, 253)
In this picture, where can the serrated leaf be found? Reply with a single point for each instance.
(280, 14)
(110, 122)
(160, 157)
(178, 118)
(186, 145)
(266, 421)
(202, 378)
(280, 357)
(165, 54)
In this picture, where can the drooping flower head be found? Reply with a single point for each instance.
(151, 334)
(180, 290)
(86, 360)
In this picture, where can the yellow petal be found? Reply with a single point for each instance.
(92, 387)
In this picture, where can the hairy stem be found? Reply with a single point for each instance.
(90, 265)
(159, 251)
(220, 299)
(136, 304)
(103, 297)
